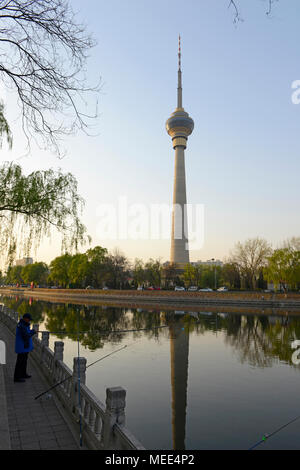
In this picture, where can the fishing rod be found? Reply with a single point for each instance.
(79, 385)
(90, 365)
(268, 436)
(104, 331)
(104, 357)
(134, 330)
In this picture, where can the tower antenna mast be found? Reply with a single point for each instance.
(179, 89)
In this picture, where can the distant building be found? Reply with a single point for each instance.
(24, 261)
(209, 262)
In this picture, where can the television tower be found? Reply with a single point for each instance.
(179, 126)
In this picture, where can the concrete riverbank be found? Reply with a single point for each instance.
(168, 299)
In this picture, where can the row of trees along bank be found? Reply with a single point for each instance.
(251, 265)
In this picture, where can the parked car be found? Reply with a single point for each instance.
(193, 288)
(207, 289)
(222, 289)
(105, 288)
(179, 288)
(140, 288)
(89, 288)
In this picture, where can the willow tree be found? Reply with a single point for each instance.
(59, 270)
(31, 205)
(283, 268)
(153, 270)
(138, 272)
(36, 273)
(190, 275)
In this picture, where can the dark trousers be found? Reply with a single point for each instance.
(21, 366)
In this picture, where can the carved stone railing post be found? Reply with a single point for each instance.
(44, 344)
(36, 328)
(58, 356)
(45, 339)
(115, 413)
(79, 369)
(59, 350)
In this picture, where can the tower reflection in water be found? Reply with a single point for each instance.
(179, 343)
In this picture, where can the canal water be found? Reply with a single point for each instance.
(205, 380)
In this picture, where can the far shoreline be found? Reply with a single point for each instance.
(163, 299)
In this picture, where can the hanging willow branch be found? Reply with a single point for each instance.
(4, 128)
(30, 206)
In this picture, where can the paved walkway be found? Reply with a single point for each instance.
(33, 424)
(4, 430)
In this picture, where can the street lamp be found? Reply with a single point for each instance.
(213, 260)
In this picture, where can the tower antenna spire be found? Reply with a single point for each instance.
(179, 52)
(179, 89)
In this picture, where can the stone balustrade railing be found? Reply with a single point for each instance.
(103, 426)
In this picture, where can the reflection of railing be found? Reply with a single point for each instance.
(103, 426)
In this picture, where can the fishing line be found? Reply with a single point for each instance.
(90, 365)
(268, 436)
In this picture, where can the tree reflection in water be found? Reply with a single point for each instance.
(260, 340)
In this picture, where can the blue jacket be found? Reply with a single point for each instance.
(24, 337)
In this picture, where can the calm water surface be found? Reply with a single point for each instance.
(208, 380)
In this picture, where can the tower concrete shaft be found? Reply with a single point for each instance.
(179, 240)
(179, 126)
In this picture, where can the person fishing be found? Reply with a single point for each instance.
(23, 347)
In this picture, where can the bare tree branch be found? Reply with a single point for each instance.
(234, 5)
(270, 6)
(43, 52)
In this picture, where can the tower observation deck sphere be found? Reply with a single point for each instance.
(180, 124)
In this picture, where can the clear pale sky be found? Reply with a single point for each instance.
(242, 160)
